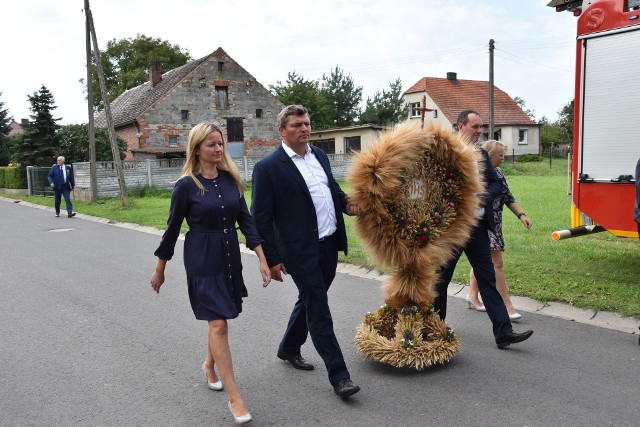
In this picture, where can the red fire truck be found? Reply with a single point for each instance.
(606, 133)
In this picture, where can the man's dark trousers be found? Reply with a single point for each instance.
(311, 314)
(57, 198)
(478, 253)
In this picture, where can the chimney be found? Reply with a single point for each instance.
(155, 73)
(452, 77)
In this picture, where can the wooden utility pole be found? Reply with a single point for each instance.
(93, 178)
(107, 108)
(491, 118)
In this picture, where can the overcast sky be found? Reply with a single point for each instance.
(374, 41)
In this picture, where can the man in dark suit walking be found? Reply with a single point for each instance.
(477, 248)
(297, 207)
(61, 180)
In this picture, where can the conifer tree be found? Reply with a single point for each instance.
(386, 108)
(38, 145)
(5, 128)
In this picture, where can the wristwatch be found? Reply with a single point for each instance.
(521, 214)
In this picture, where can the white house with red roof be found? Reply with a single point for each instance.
(447, 97)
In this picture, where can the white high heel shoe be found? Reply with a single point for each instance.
(217, 386)
(473, 305)
(515, 316)
(242, 419)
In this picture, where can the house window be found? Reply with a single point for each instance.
(220, 65)
(497, 135)
(352, 143)
(173, 141)
(258, 113)
(222, 98)
(522, 137)
(435, 114)
(235, 129)
(327, 145)
(184, 114)
(414, 111)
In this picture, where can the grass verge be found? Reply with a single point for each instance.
(596, 272)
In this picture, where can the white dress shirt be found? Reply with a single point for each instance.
(318, 185)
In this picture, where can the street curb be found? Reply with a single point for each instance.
(602, 319)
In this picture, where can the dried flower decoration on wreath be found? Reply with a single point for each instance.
(427, 204)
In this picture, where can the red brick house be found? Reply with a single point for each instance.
(155, 118)
(448, 97)
(15, 127)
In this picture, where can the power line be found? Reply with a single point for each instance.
(529, 60)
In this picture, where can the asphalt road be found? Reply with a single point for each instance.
(85, 341)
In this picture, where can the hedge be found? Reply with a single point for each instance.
(12, 177)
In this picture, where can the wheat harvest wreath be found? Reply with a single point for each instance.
(417, 192)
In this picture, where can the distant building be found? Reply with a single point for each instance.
(155, 118)
(346, 140)
(16, 127)
(448, 97)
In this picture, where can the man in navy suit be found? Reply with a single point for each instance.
(297, 207)
(477, 248)
(61, 180)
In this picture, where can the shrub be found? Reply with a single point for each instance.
(529, 158)
(13, 177)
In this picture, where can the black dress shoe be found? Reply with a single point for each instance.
(345, 388)
(297, 361)
(512, 338)
(71, 215)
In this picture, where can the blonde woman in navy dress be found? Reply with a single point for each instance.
(210, 196)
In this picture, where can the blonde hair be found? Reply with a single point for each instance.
(192, 166)
(492, 145)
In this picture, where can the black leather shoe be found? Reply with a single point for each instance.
(71, 215)
(512, 338)
(297, 361)
(345, 388)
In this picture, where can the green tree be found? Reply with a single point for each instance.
(522, 103)
(308, 93)
(5, 128)
(552, 133)
(566, 119)
(74, 144)
(343, 97)
(126, 63)
(386, 108)
(38, 144)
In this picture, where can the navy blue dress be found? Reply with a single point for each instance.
(211, 249)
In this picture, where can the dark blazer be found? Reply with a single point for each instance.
(284, 214)
(56, 177)
(495, 188)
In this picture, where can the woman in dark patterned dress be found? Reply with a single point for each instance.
(496, 154)
(210, 196)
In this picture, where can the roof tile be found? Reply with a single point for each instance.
(454, 96)
(133, 102)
